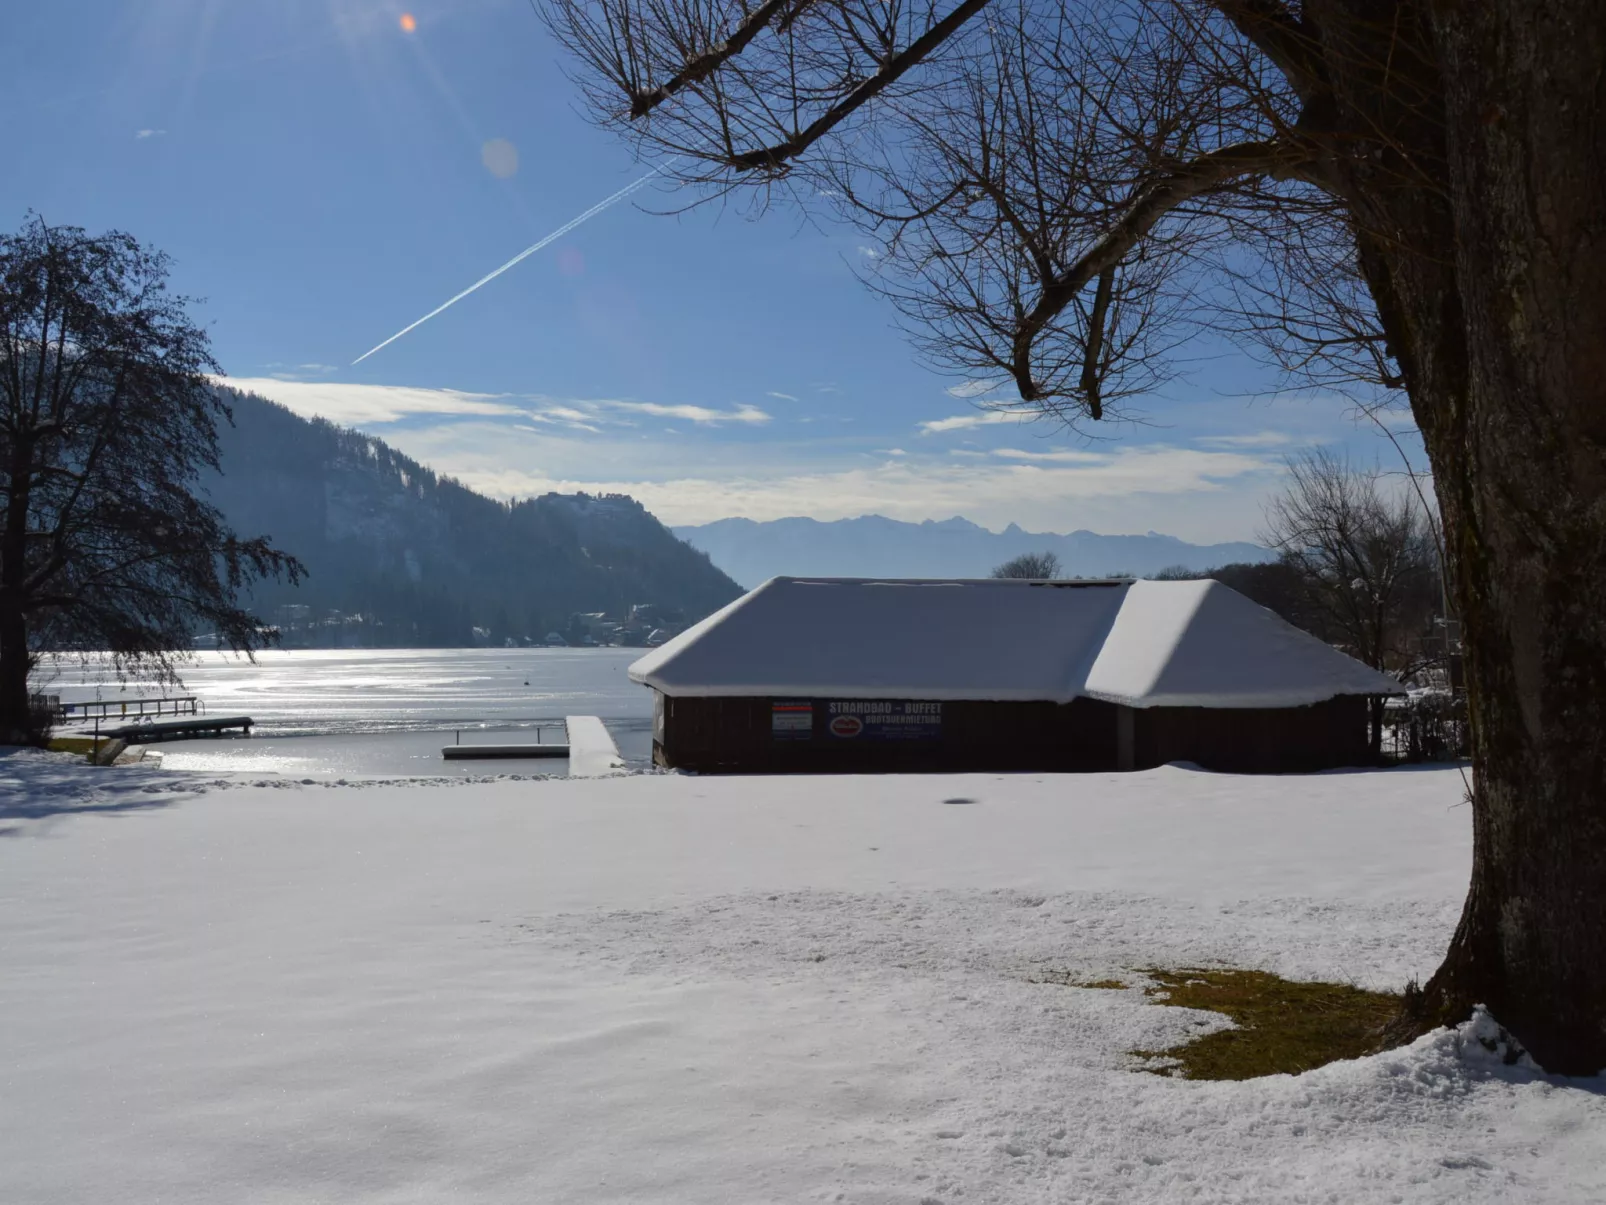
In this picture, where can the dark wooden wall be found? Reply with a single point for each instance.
(1255, 740)
(734, 735)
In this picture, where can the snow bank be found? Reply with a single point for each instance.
(662, 988)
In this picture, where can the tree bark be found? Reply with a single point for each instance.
(14, 659)
(1492, 297)
(15, 726)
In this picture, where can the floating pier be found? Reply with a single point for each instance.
(590, 749)
(178, 729)
(464, 752)
(461, 752)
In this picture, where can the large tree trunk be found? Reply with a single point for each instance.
(1493, 295)
(14, 658)
(1526, 140)
(15, 726)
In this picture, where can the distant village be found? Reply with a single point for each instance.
(644, 625)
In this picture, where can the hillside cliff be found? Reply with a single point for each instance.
(423, 559)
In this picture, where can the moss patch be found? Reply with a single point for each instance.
(1282, 1026)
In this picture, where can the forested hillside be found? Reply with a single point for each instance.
(422, 559)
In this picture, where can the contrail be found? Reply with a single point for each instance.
(522, 255)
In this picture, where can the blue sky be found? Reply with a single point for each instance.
(322, 177)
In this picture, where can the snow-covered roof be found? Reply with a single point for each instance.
(1145, 644)
(1202, 644)
(859, 638)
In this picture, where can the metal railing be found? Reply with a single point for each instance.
(138, 709)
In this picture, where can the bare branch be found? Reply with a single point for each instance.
(1282, 37)
(773, 157)
(1208, 172)
(703, 65)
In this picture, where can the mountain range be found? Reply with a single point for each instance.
(875, 546)
(398, 555)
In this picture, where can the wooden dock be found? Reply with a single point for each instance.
(460, 752)
(166, 730)
(465, 752)
(589, 748)
(594, 753)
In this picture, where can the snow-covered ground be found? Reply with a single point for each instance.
(662, 988)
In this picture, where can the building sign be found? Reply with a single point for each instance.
(881, 720)
(792, 721)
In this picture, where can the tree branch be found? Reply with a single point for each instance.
(1202, 175)
(703, 65)
(1282, 37)
(1095, 342)
(772, 157)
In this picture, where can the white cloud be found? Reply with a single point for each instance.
(354, 405)
(785, 397)
(1052, 457)
(964, 422)
(974, 387)
(693, 414)
(1132, 491)
(564, 416)
(569, 416)
(1189, 492)
(517, 445)
(1254, 439)
(141, 135)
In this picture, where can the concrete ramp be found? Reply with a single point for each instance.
(591, 750)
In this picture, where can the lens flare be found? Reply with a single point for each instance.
(409, 23)
(501, 158)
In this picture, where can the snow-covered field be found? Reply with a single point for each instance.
(662, 988)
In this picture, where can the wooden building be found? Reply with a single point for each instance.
(838, 675)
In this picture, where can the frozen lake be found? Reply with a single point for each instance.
(325, 713)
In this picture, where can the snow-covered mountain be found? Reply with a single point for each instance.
(874, 546)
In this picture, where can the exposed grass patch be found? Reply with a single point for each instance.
(73, 744)
(1283, 1026)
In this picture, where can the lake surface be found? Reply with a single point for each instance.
(328, 713)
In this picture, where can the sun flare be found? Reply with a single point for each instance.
(409, 23)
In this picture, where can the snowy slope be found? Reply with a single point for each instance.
(674, 989)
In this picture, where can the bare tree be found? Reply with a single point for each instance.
(1399, 192)
(1365, 562)
(1033, 566)
(1365, 559)
(107, 417)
